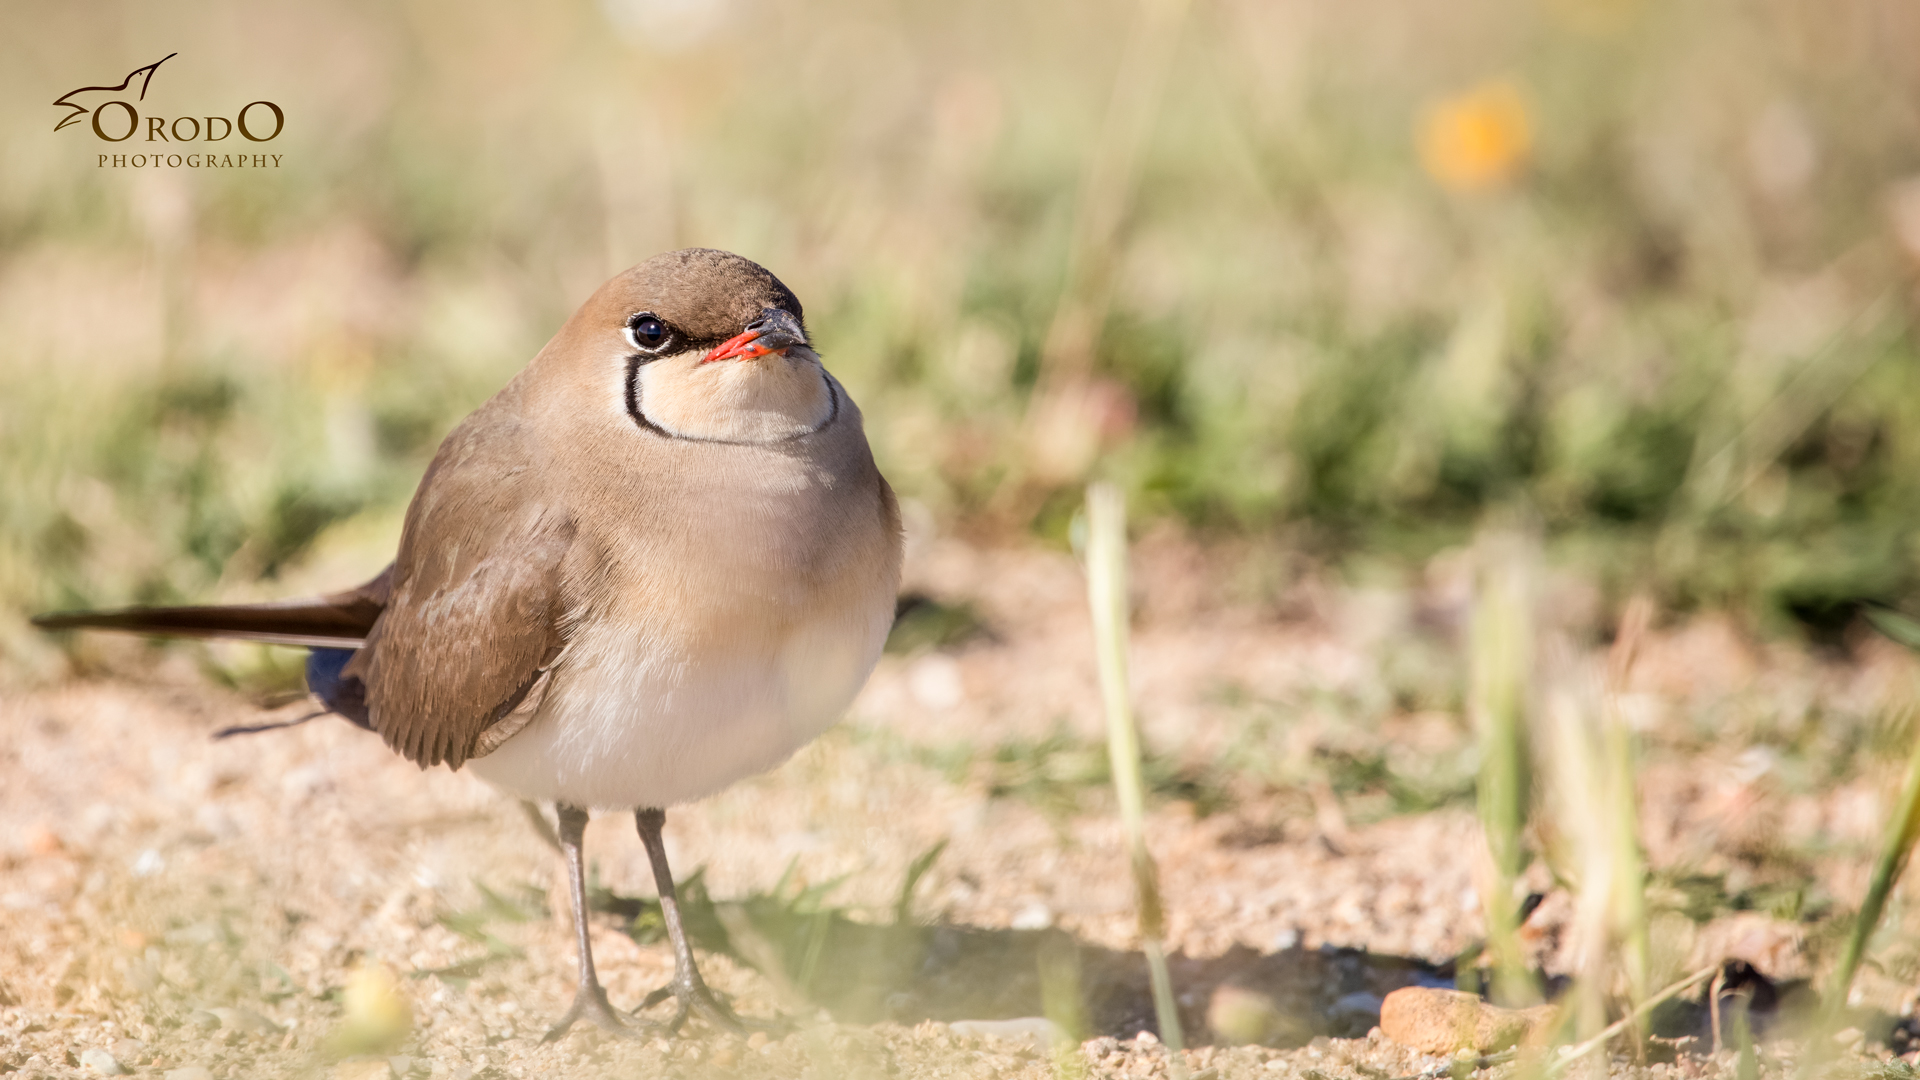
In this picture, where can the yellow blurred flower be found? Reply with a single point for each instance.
(377, 1015)
(1477, 139)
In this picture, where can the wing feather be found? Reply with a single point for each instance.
(475, 618)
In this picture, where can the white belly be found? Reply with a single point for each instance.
(630, 723)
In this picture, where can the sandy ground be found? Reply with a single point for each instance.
(197, 908)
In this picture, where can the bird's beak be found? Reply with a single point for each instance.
(774, 331)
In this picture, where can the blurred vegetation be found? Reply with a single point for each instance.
(1346, 275)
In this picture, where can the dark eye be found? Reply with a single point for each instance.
(648, 331)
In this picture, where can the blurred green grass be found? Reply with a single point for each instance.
(1680, 334)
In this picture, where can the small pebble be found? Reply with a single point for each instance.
(42, 840)
(1036, 1031)
(101, 1062)
(1440, 1021)
(757, 1040)
(1241, 1015)
(245, 1020)
(201, 1018)
(362, 1069)
(1035, 916)
(1350, 1011)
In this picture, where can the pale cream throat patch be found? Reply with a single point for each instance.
(767, 399)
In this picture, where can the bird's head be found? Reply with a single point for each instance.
(709, 346)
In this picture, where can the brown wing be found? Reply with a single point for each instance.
(339, 621)
(473, 620)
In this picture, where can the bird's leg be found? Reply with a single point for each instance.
(689, 990)
(590, 998)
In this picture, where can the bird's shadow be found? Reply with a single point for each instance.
(816, 956)
(862, 972)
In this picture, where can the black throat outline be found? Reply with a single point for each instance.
(638, 360)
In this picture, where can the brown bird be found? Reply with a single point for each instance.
(660, 560)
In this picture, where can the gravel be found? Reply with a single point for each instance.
(209, 901)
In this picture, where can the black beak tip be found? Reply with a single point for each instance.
(778, 328)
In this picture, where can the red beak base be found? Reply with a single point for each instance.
(739, 347)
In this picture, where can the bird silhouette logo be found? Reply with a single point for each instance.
(82, 110)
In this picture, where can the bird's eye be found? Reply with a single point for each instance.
(648, 331)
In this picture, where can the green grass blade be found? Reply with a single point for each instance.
(1106, 553)
(1502, 661)
(1895, 849)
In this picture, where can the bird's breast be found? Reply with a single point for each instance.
(711, 638)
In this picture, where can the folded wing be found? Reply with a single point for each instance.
(460, 656)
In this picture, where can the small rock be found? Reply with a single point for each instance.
(1438, 1021)
(101, 1062)
(245, 1020)
(201, 1018)
(1146, 1040)
(1036, 1031)
(129, 1050)
(401, 1064)
(190, 1072)
(362, 1069)
(42, 840)
(757, 1040)
(1244, 1016)
(1035, 916)
(1352, 1014)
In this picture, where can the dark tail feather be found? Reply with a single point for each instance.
(308, 622)
(255, 729)
(338, 621)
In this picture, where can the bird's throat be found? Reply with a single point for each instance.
(765, 400)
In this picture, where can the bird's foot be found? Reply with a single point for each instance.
(692, 997)
(590, 1004)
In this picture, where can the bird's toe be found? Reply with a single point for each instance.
(590, 1004)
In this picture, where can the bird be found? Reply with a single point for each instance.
(660, 560)
(75, 110)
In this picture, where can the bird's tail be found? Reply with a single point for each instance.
(340, 621)
(304, 622)
(332, 627)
